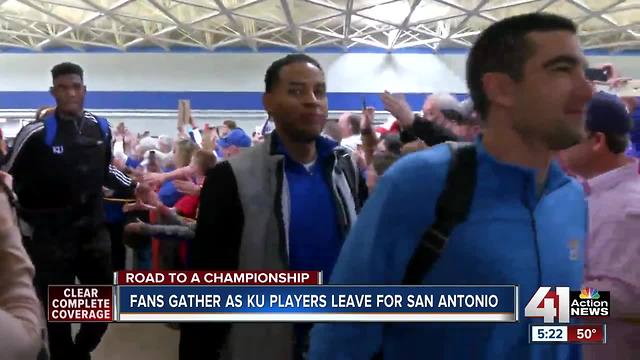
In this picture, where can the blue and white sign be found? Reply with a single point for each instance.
(318, 303)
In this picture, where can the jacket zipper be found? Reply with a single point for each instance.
(536, 244)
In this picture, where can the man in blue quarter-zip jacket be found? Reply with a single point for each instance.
(526, 218)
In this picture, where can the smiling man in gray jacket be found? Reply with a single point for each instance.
(285, 204)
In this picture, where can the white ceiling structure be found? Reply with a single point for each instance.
(124, 25)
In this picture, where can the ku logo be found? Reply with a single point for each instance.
(574, 248)
(58, 150)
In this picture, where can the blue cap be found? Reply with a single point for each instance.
(236, 137)
(608, 114)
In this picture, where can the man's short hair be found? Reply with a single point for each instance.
(273, 72)
(230, 124)
(503, 47)
(382, 162)
(445, 101)
(617, 143)
(205, 159)
(67, 68)
(392, 142)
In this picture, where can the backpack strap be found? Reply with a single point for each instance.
(105, 127)
(50, 129)
(452, 209)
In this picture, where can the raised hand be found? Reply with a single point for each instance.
(398, 106)
(368, 114)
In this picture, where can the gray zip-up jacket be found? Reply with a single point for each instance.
(243, 224)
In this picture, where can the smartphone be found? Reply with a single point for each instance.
(594, 74)
(364, 103)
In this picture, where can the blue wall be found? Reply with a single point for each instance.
(165, 100)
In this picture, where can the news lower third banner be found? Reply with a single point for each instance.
(273, 296)
(316, 303)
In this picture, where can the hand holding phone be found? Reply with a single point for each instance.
(595, 74)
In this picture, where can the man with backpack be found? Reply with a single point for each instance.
(497, 211)
(60, 164)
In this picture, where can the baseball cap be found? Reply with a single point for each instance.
(236, 137)
(608, 114)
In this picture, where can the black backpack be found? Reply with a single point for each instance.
(452, 209)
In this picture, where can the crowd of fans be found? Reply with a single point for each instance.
(204, 199)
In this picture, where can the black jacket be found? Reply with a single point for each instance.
(67, 177)
(427, 131)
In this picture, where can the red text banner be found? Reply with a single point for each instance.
(80, 303)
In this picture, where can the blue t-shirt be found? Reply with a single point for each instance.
(168, 193)
(132, 163)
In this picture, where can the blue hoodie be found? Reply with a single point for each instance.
(510, 237)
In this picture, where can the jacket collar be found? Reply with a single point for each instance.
(324, 146)
(511, 178)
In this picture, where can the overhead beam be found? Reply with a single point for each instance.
(67, 5)
(470, 13)
(184, 28)
(322, 18)
(71, 27)
(53, 16)
(196, 5)
(593, 14)
(323, 32)
(346, 28)
(246, 4)
(624, 8)
(262, 19)
(509, 4)
(423, 42)
(276, 43)
(324, 4)
(610, 30)
(223, 9)
(293, 27)
(165, 12)
(369, 42)
(49, 13)
(614, 44)
(456, 6)
(596, 14)
(405, 24)
(109, 14)
(22, 33)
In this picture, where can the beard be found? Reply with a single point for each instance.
(561, 136)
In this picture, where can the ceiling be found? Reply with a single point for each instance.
(126, 25)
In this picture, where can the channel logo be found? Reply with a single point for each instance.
(589, 293)
(561, 304)
(589, 303)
